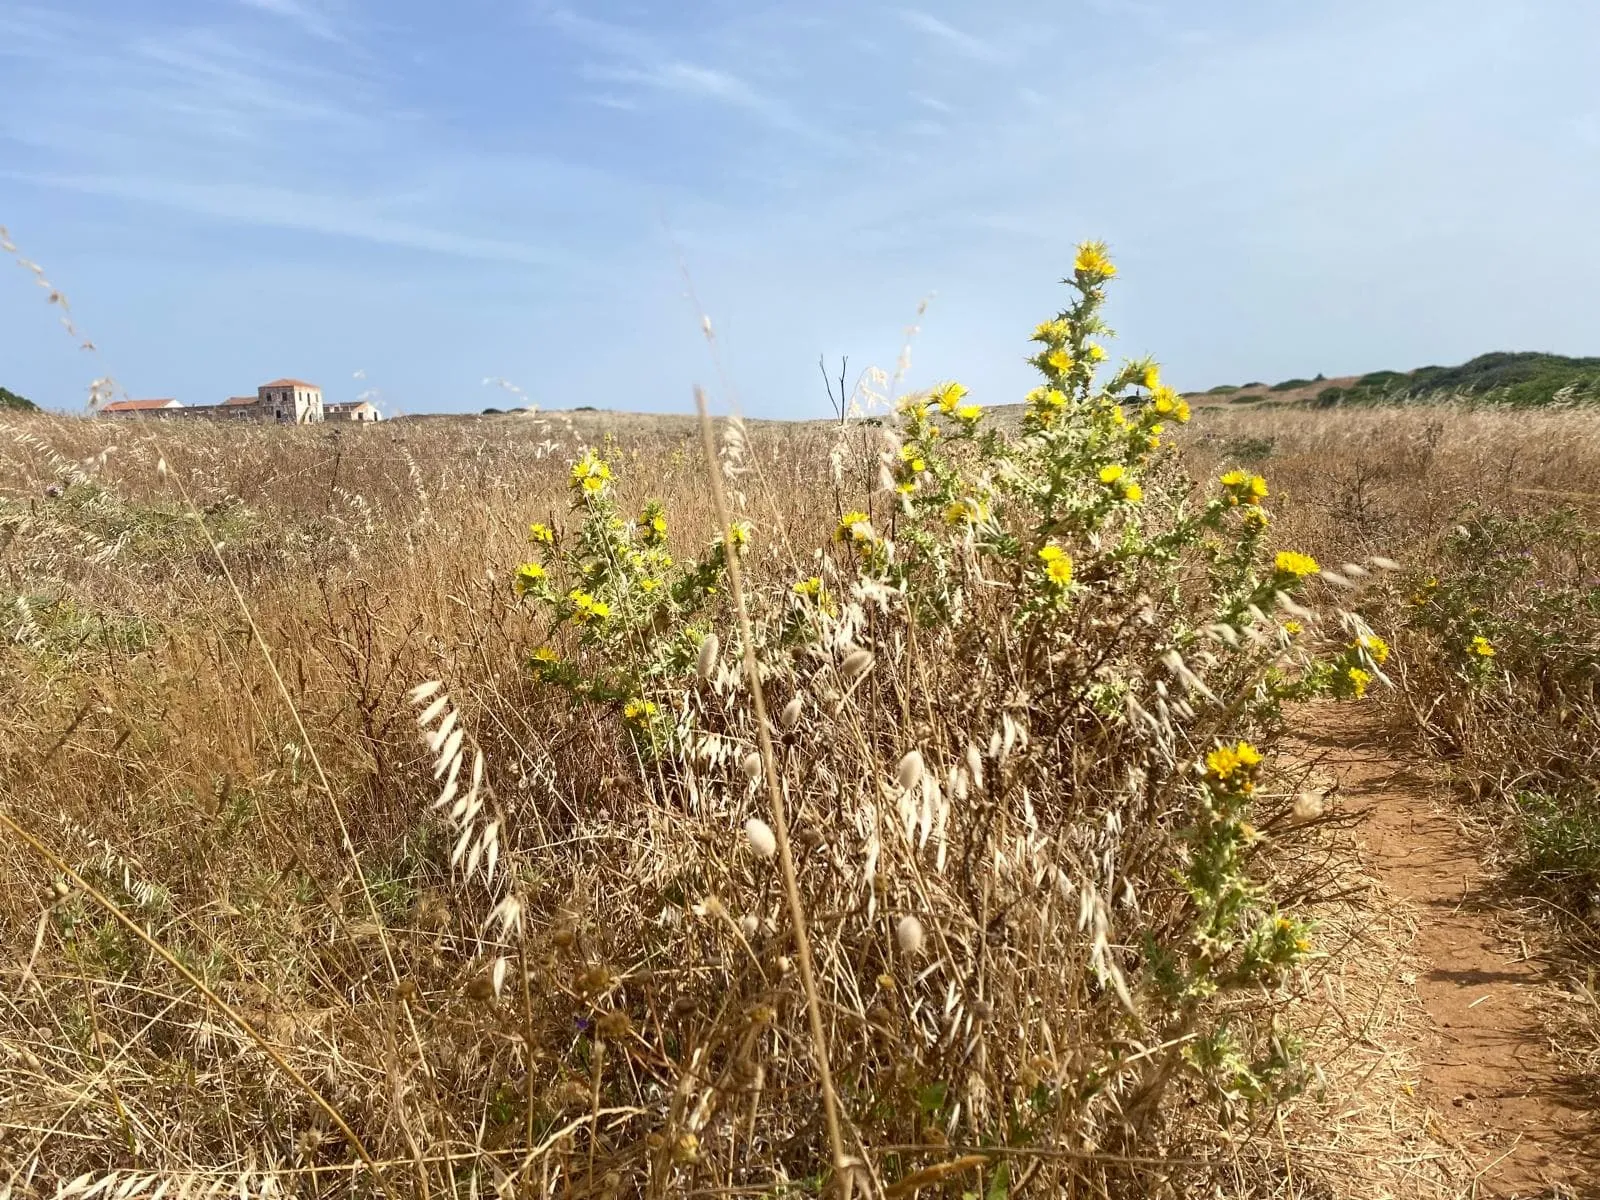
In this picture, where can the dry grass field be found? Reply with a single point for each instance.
(390, 810)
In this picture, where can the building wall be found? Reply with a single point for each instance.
(294, 405)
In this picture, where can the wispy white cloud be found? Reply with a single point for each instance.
(304, 211)
(633, 58)
(933, 102)
(961, 42)
(308, 18)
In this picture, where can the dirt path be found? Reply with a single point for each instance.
(1495, 1092)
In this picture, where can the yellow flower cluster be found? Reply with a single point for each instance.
(1374, 646)
(1045, 405)
(1168, 403)
(541, 534)
(590, 474)
(1053, 333)
(586, 609)
(1359, 680)
(1482, 647)
(855, 528)
(1115, 475)
(1093, 263)
(1233, 768)
(949, 397)
(546, 655)
(653, 524)
(1295, 566)
(739, 536)
(963, 512)
(638, 711)
(529, 577)
(1057, 564)
(1239, 488)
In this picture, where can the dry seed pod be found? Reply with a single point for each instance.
(908, 773)
(856, 664)
(908, 935)
(1307, 806)
(751, 766)
(763, 842)
(707, 662)
(790, 716)
(749, 926)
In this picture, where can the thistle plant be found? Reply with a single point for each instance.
(1026, 681)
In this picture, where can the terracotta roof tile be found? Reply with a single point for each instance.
(289, 383)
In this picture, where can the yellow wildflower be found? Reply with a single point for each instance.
(1096, 352)
(1052, 332)
(1375, 646)
(1292, 628)
(1234, 766)
(586, 609)
(811, 588)
(1151, 377)
(1132, 493)
(1358, 681)
(949, 396)
(739, 535)
(969, 413)
(1482, 647)
(638, 711)
(1059, 361)
(1112, 472)
(1181, 412)
(546, 655)
(529, 577)
(1233, 479)
(1093, 261)
(963, 512)
(1059, 570)
(590, 474)
(648, 585)
(1296, 565)
(541, 533)
(856, 528)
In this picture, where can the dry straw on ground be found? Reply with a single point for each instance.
(578, 973)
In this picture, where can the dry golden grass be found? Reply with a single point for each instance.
(188, 829)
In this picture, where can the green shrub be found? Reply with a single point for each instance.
(1009, 636)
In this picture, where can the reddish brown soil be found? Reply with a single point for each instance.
(1496, 1092)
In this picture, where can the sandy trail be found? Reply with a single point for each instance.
(1494, 1090)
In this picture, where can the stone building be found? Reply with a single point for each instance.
(283, 401)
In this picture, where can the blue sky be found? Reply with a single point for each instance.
(433, 194)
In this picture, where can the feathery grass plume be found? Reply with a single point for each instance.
(789, 716)
(706, 664)
(908, 935)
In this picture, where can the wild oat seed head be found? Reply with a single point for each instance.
(707, 662)
(856, 664)
(909, 771)
(751, 766)
(763, 842)
(908, 935)
(790, 716)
